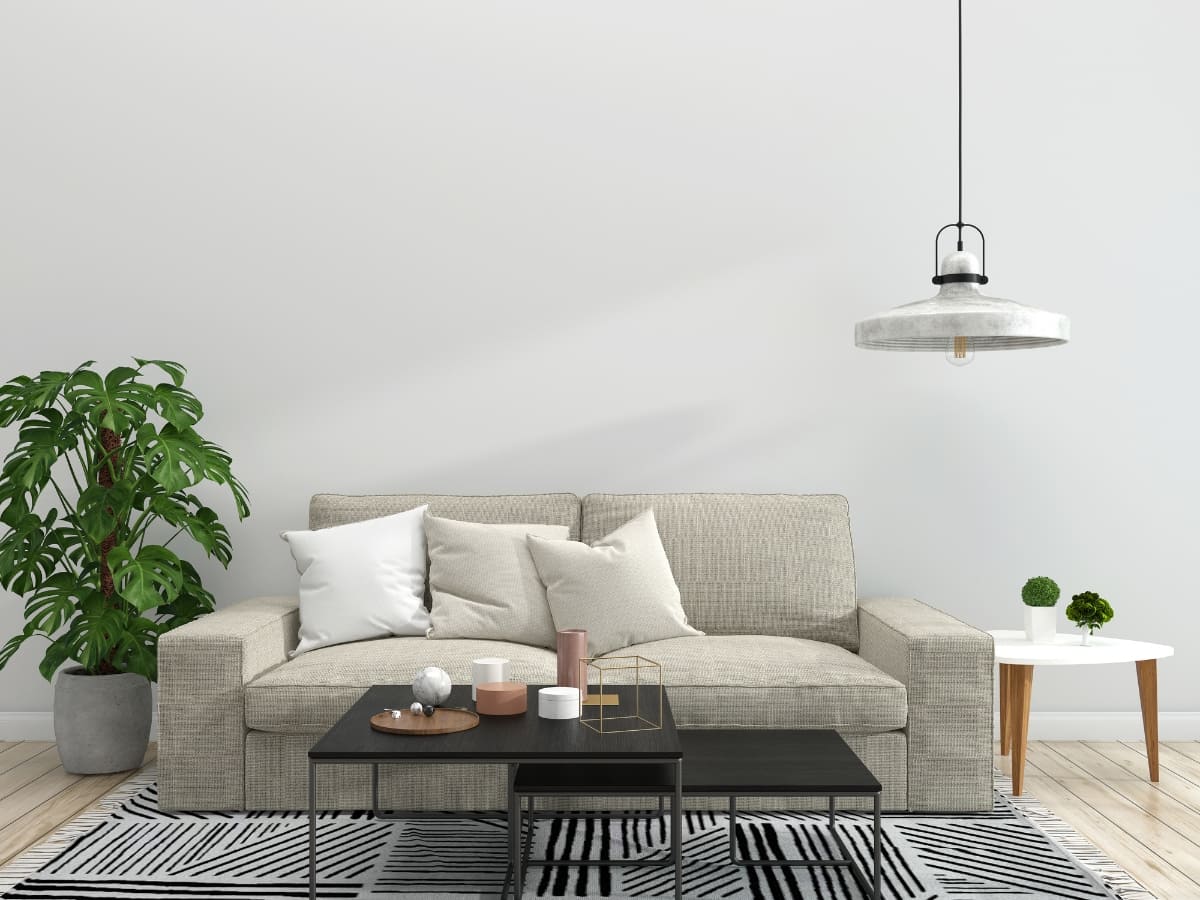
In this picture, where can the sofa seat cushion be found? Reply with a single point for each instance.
(758, 681)
(309, 693)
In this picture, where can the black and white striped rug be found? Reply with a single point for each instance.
(128, 848)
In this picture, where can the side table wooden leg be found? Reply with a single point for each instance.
(1147, 676)
(1020, 693)
(1005, 731)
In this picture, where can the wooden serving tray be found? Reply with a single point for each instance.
(443, 721)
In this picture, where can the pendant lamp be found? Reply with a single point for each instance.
(960, 320)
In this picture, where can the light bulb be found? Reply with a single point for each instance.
(961, 352)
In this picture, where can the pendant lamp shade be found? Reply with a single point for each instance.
(960, 320)
(958, 311)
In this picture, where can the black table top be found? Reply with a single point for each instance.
(741, 762)
(496, 738)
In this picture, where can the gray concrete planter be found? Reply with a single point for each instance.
(101, 722)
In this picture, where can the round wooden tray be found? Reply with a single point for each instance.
(443, 721)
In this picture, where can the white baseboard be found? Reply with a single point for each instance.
(39, 726)
(1108, 726)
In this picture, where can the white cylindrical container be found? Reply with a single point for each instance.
(1040, 624)
(558, 703)
(487, 670)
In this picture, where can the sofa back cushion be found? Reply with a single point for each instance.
(778, 564)
(325, 510)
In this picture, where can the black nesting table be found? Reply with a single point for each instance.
(508, 740)
(732, 763)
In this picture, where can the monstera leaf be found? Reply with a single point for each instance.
(147, 580)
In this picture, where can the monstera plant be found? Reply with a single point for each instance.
(97, 490)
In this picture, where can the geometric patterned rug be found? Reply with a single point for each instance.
(127, 848)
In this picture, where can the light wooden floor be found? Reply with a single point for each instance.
(36, 795)
(1102, 789)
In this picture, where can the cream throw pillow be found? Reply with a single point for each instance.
(620, 588)
(484, 584)
(362, 580)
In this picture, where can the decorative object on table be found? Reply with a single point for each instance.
(432, 686)
(558, 703)
(417, 708)
(487, 669)
(93, 562)
(960, 321)
(443, 720)
(1039, 596)
(361, 580)
(1089, 610)
(620, 590)
(640, 699)
(502, 698)
(484, 584)
(571, 647)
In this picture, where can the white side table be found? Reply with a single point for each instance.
(1017, 657)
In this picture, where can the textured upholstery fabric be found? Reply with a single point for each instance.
(759, 681)
(750, 563)
(947, 667)
(484, 584)
(313, 690)
(277, 778)
(619, 590)
(202, 671)
(325, 510)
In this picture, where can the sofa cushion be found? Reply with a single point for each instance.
(325, 510)
(777, 564)
(760, 681)
(312, 691)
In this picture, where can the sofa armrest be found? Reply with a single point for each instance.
(946, 667)
(203, 669)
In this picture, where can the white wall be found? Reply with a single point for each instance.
(621, 247)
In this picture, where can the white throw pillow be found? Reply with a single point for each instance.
(620, 588)
(362, 580)
(484, 584)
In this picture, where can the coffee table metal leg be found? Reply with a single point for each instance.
(375, 789)
(876, 876)
(514, 831)
(677, 829)
(832, 811)
(312, 831)
(733, 857)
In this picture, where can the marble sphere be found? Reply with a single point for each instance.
(432, 686)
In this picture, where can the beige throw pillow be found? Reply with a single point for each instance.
(620, 588)
(484, 584)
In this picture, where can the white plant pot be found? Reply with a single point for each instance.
(1040, 624)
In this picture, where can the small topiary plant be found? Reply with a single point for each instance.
(1089, 610)
(1040, 591)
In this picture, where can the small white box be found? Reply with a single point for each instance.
(486, 670)
(558, 703)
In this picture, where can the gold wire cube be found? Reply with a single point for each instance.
(630, 713)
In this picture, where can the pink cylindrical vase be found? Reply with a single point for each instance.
(572, 647)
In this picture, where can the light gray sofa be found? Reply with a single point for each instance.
(769, 578)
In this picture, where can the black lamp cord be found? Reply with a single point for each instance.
(959, 223)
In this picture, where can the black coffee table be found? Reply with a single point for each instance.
(509, 740)
(732, 763)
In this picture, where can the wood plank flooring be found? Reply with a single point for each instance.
(37, 796)
(1102, 789)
